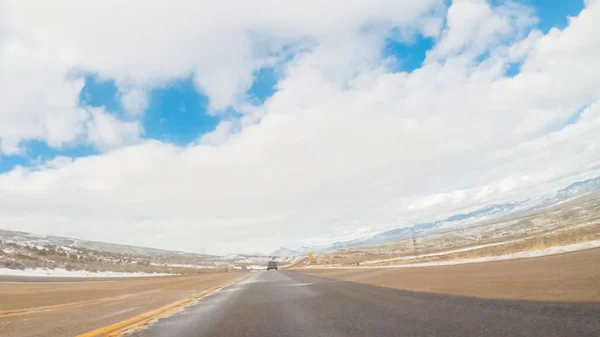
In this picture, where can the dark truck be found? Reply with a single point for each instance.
(272, 265)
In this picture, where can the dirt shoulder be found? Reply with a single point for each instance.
(565, 277)
(71, 308)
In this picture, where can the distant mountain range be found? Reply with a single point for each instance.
(487, 213)
(282, 251)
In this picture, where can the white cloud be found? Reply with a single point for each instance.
(58, 162)
(342, 145)
(134, 101)
(149, 43)
(219, 136)
(105, 131)
(39, 99)
(473, 26)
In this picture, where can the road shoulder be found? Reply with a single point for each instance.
(569, 277)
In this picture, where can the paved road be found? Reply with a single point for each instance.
(67, 309)
(291, 304)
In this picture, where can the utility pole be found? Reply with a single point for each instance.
(414, 240)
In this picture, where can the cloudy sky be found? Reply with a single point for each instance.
(242, 126)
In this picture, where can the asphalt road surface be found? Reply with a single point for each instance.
(287, 303)
(57, 307)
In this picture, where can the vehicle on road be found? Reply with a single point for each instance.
(272, 265)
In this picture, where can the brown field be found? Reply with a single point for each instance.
(571, 276)
(70, 308)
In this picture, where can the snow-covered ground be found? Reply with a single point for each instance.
(177, 265)
(256, 267)
(521, 255)
(59, 272)
(411, 257)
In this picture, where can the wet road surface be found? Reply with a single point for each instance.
(287, 303)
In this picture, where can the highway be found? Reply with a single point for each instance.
(67, 307)
(288, 303)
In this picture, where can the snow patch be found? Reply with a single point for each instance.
(67, 249)
(60, 272)
(521, 255)
(178, 265)
(255, 267)
(404, 258)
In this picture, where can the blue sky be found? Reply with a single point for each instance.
(177, 112)
(554, 13)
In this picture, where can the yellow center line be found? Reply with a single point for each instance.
(105, 331)
(28, 311)
(141, 320)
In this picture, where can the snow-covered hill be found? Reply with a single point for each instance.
(31, 239)
(282, 251)
(26, 252)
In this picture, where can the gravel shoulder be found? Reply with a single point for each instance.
(573, 277)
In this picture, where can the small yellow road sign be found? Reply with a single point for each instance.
(309, 255)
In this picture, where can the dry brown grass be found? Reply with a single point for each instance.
(563, 277)
(15, 256)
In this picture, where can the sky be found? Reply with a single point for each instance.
(238, 126)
